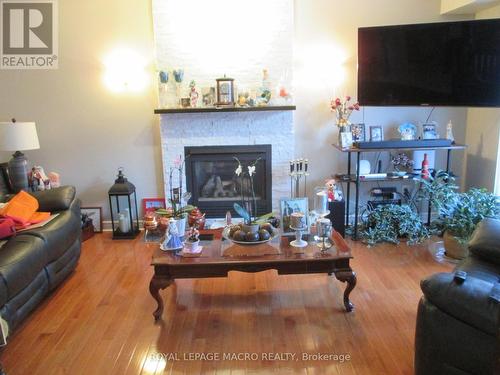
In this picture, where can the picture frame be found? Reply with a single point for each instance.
(94, 214)
(287, 207)
(208, 96)
(345, 139)
(152, 204)
(358, 133)
(376, 133)
(429, 131)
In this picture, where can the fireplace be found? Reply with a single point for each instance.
(210, 177)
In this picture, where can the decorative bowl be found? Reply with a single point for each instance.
(225, 234)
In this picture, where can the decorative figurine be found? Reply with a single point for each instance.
(408, 131)
(449, 132)
(55, 179)
(334, 193)
(172, 239)
(193, 95)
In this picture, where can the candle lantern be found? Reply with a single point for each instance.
(122, 212)
(225, 91)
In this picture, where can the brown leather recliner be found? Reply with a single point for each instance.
(459, 315)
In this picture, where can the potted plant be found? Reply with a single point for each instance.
(179, 209)
(390, 223)
(248, 207)
(459, 213)
(193, 240)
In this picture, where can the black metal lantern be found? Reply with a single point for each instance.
(122, 190)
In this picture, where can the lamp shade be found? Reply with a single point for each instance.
(18, 136)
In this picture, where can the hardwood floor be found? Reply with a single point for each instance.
(100, 321)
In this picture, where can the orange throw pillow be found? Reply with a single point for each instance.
(23, 210)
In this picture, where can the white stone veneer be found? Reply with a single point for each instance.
(233, 128)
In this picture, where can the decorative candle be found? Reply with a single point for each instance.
(297, 220)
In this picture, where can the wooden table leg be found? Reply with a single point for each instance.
(350, 278)
(157, 283)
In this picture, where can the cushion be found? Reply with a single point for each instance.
(58, 234)
(57, 199)
(468, 301)
(21, 259)
(485, 242)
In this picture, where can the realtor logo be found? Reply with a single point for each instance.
(29, 34)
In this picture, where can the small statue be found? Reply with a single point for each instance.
(172, 240)
(193, 95)
(449, 132)
(334, 194)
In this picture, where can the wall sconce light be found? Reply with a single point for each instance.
(125, 71)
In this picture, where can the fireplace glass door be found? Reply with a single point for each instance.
(211, 178)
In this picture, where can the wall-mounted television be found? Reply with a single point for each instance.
(432, 64)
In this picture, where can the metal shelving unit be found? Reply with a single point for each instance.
(356, 180)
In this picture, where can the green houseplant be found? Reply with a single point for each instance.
(390, 223)
(178, 210)
(459, 213)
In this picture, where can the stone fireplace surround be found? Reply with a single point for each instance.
(232, 128)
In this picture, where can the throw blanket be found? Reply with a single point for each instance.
(23, 210)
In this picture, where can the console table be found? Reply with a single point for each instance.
(212, 263)
(355, 179)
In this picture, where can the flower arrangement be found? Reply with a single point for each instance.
(245, 176)
(178, 208)
(343, 110)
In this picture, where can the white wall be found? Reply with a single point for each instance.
(483, 133)
(86, 131)
(326, 66)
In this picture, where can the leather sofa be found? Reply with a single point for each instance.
(35, 262)
(459, 315)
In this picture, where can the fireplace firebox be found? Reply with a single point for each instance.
(210, 177)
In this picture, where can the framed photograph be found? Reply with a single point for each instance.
(358, 132)
(345, 139)
(152, 204)
(208, 96)
(289, 206)
(429, 131)
(93, 214)
(376, 134)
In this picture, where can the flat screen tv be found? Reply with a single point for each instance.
(432, 64)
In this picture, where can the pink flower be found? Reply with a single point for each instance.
(347, 98)
(356, 106)
(350, 108)
(337, 101)
(178, 161)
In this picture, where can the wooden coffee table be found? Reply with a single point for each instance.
(168, 266)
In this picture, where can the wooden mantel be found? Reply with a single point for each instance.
(225, 109)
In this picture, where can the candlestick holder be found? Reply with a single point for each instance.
(298, 242)
(323, 230)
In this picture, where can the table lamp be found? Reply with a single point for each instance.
(18, 136)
